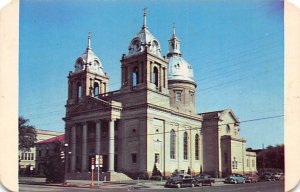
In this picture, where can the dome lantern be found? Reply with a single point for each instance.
(179, 68)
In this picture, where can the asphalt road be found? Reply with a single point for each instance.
(277, 186)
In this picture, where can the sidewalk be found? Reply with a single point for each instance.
(87, 184)
(136, 184)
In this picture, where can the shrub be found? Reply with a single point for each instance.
(155, 171)
(189, 171)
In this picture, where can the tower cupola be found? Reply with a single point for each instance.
(89, 61)
(144, 39)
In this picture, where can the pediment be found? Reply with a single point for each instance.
(229, 113)
(90, 104)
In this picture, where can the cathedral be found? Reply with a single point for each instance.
(150, 121)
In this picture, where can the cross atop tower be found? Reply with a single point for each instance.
(89, 41)
(145, 18)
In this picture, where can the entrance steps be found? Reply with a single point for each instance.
(104, 176)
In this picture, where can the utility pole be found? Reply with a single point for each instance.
(263, 156)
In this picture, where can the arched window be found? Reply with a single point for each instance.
(172, 144)
(96, 89)
(227, 129)
(70, 90)
(197, 147)
(125, 75)
(79, 90)
(155, 76)
(135, 76)
(185, 145)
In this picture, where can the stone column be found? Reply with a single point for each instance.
(84, 148)
(98, 136)
(73, 149)
(100, 87)
(111, 146)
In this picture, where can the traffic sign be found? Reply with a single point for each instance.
(97, 159)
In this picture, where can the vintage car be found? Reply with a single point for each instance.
(204, 179)
(234, 179)
(279, 176)
(268, 176)
(181, 180)
(251, 178)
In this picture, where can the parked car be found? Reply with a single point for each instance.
(251, 178)
(279, 176)
(268, 176)
(204, 179)
(234, 179)
(237, 175)
(180, 180)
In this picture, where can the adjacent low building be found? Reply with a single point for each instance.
(44, 149)
(27, 159)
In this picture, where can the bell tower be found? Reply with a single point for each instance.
(143, 68)
(88, 78)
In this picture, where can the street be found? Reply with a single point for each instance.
(277, 186)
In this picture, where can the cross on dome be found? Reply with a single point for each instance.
(89, 41)
(145, 18)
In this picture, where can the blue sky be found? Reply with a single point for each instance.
(235, 48)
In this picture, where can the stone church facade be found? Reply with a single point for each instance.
(151, 120)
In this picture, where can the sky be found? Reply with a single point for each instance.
(236, 49)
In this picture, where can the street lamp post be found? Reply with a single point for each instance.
(65, 162)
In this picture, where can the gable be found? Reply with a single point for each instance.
(228, 116)
(90, 104)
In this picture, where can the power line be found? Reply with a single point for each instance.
(137, 136)
(195, 66)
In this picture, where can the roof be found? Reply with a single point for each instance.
(48, 132)
(60, 138)
(179, 69)
(219, 114)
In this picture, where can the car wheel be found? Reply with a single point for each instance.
(244, 181)
(178, 185)
(235, 182)
(193, 185)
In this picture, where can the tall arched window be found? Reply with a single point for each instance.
(125, 75)
(155, 76)
(135, 76)
(172, 144)
(96, 89)
(70, 90)
(185, 145)
(197, 147)
(79, 90)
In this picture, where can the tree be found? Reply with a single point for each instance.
(27, 135)
(271, 158)
(54, 169)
